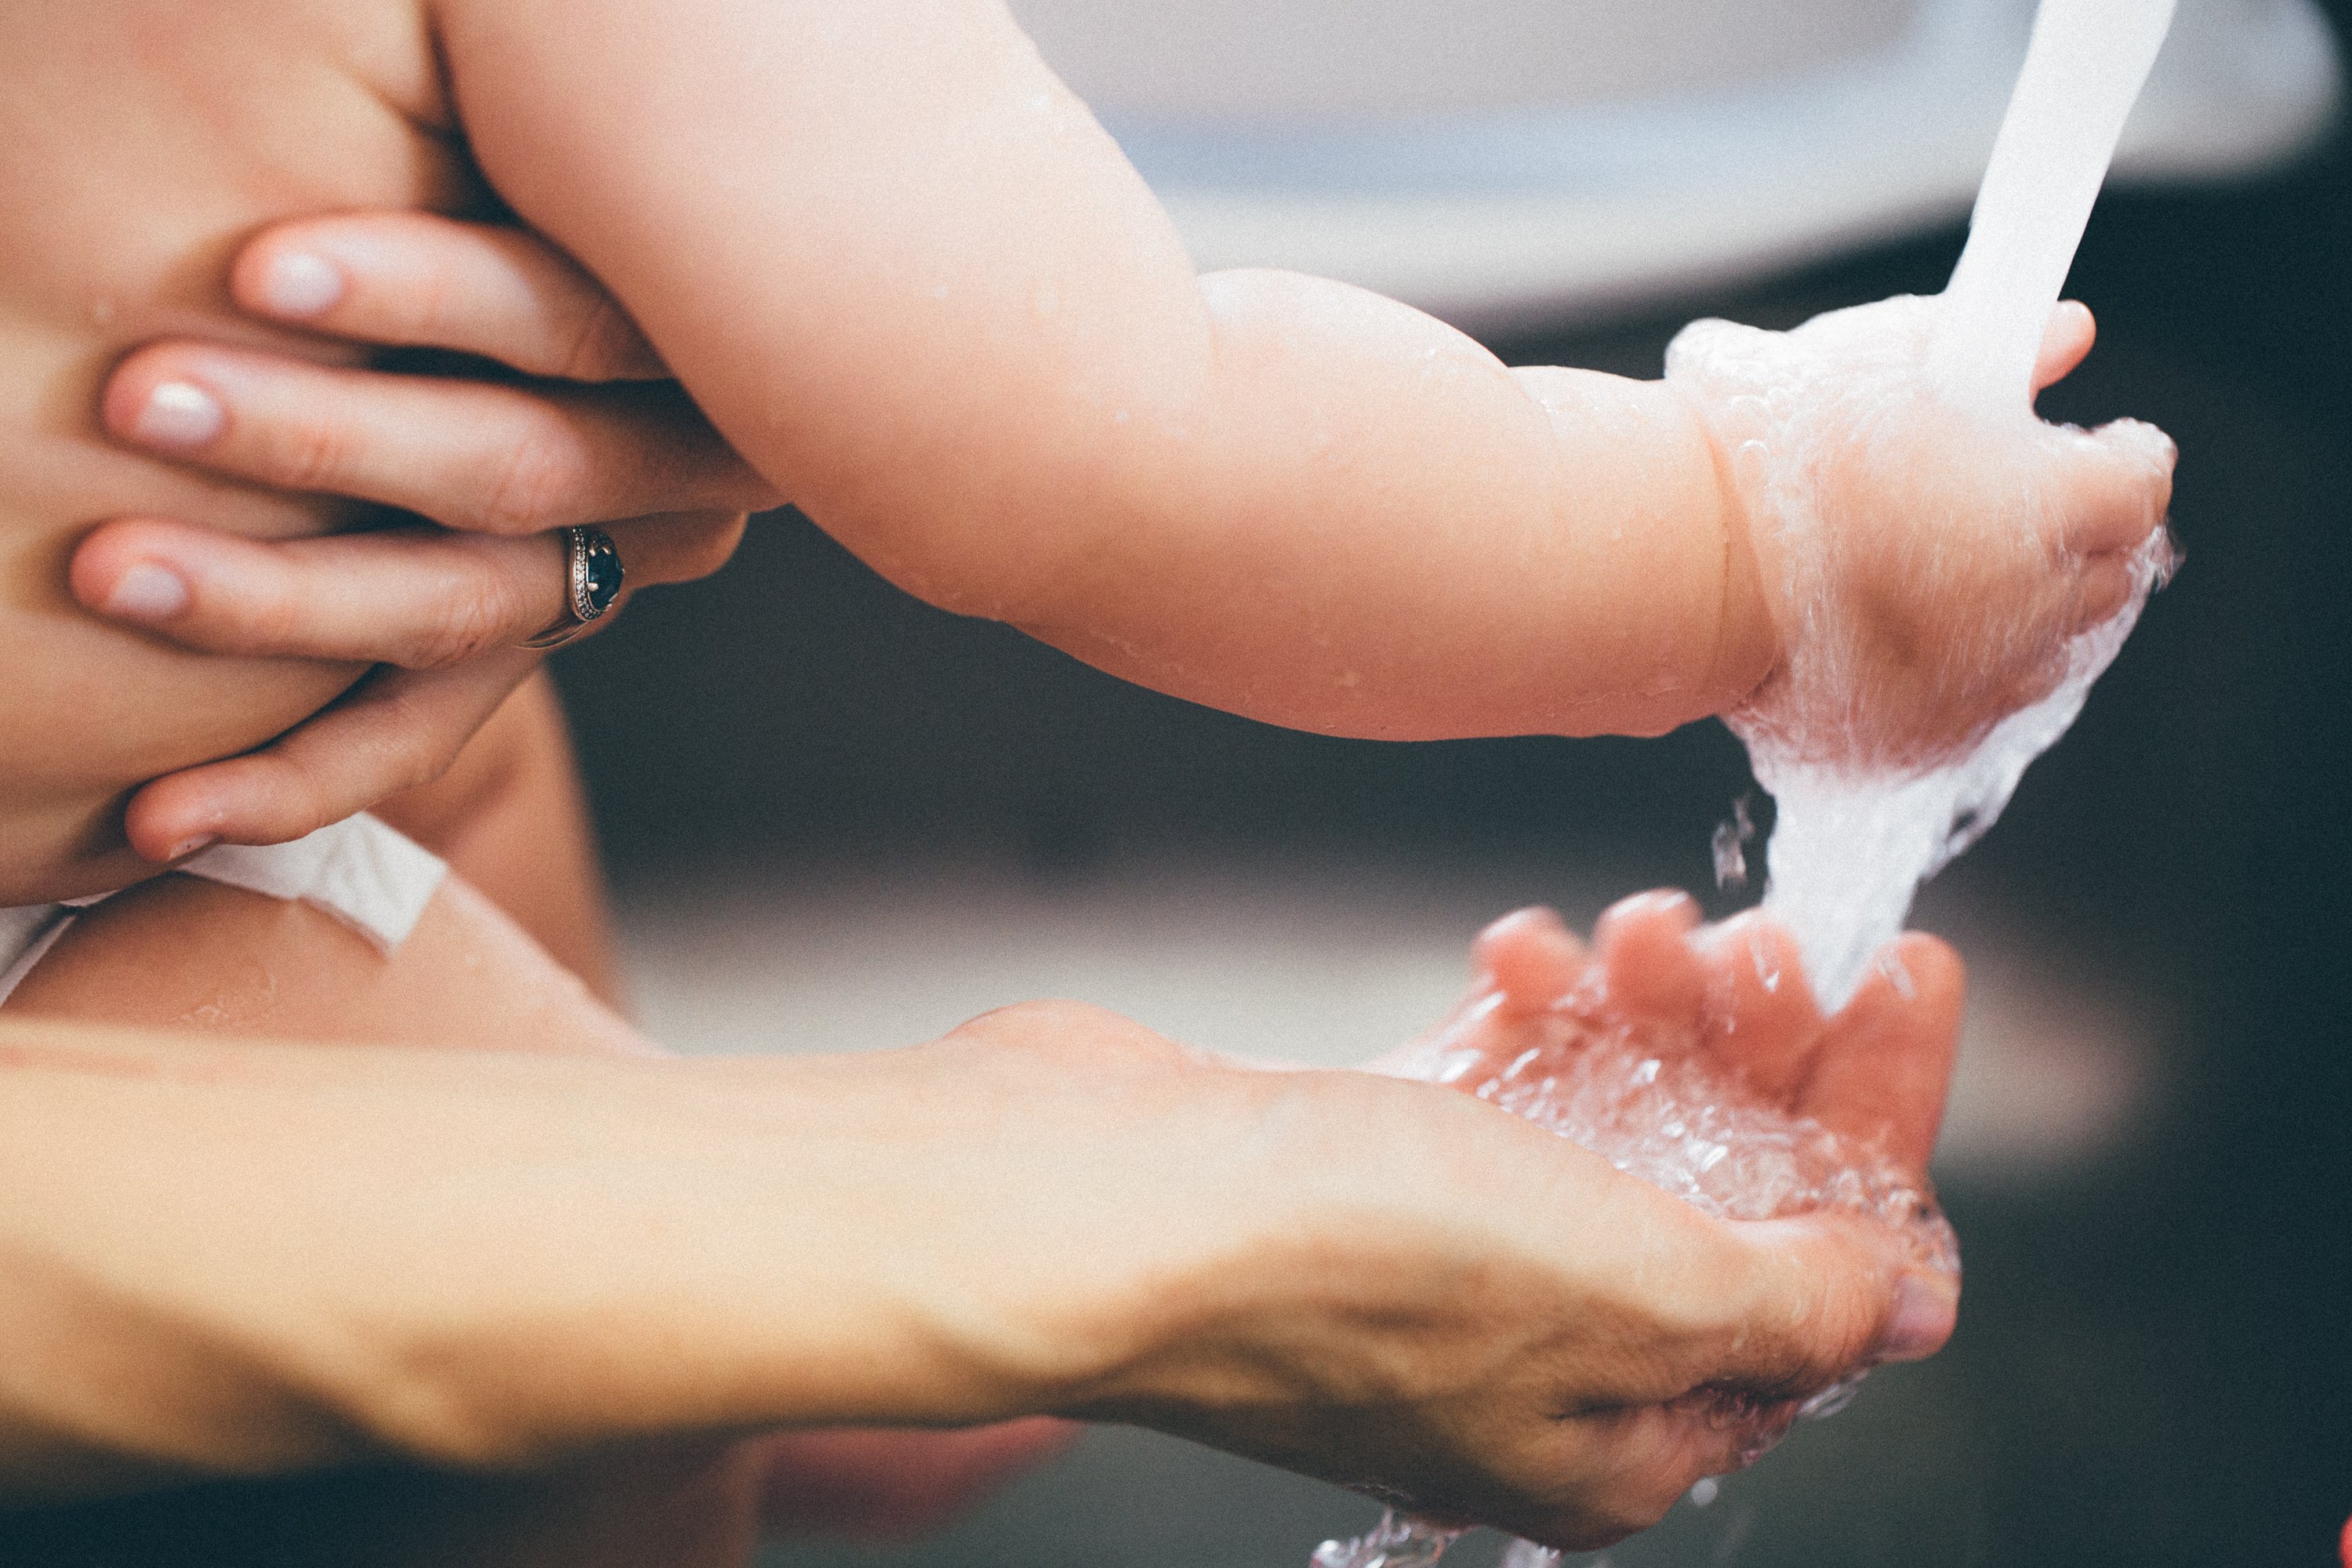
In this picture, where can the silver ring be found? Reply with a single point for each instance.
(593, 579)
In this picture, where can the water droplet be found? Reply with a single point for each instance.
(1731, 846)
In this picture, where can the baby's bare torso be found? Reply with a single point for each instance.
(141, 142)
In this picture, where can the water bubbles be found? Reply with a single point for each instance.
(1643, 1097)
(1397, 1542)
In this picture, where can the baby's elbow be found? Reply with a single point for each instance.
(1009, 566)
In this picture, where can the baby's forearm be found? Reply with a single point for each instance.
(1367, 525)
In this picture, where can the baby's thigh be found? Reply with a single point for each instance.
(510, 817)
(180, 953)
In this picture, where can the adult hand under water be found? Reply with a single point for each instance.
(1698, 1061)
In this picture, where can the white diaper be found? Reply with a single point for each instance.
(374, 879)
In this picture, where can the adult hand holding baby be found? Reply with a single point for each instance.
(581, 426)
(1942, 624)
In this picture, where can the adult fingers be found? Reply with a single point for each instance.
(1627, 1467)
(1794, 1307)
(395, 730)
(2065, 342)
(420, 280)
(1530, 957)
(896, 1482)
(480, 455)
(417, 597)
(1885, 1061)
(1764, 1024)
(1644, 943)
(1824, 1295)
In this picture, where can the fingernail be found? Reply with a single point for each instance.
(1919, 1324)
(179, 414)
(300, 284)
(147, 592)
(186, 847)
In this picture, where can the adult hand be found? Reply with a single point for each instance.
(587, 430)
(1482, 1321)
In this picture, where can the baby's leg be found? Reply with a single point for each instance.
(179, 953)
(510, 816)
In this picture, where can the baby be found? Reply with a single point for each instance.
(911, 280)
(908, 276)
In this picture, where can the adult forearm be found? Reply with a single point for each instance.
(250, 1259)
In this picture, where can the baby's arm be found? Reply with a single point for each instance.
(912, 280)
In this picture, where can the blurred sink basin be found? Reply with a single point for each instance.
(1514, 163)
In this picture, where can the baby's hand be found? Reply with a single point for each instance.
(1925, 563)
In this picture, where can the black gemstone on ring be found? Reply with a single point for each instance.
(598, 576)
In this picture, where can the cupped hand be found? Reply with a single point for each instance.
(1401, 1289)
(1925, 564)
(581, 425)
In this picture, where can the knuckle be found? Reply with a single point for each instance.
(273, 619)
(458, 632)
(478, 611)
(605, 345)
(538, 484)
(311, 454)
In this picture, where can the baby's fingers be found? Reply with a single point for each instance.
(1885, 1061)
(2111, 486)
(2065, 342)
